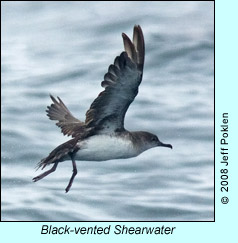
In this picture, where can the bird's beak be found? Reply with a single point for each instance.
(165, 145)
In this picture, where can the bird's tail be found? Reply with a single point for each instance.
(46, 161)
(59, 153)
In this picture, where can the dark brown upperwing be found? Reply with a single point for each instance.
(69, 125)
(121, 84)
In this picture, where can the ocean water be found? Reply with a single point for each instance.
(64, 49)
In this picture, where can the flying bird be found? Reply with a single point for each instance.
(103, 136)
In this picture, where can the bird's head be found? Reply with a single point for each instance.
(150, 140)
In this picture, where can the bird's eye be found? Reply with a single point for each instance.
(154, 139)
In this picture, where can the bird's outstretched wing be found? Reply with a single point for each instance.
(121, 84)
(69, 125)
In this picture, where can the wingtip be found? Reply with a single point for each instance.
(138, 30)
(138, 26)
(53, 98)
(139, 43)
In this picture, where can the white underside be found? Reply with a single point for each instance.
(105, 147)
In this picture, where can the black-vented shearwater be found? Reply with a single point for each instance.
(102, 136)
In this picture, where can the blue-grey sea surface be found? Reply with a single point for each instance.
(64, 49)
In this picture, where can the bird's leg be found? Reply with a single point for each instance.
(39, 177)
(72, 177)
